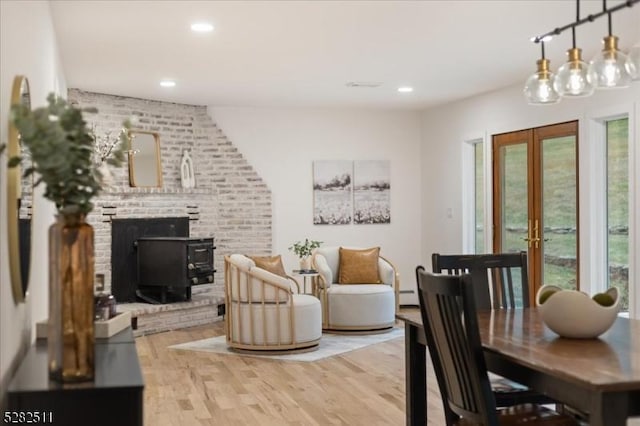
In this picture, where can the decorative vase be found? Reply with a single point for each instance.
(107, 176)
(305, 263)
(573, 314)
(71, 302)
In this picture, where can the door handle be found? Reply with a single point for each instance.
(528, 237)
(535, 238)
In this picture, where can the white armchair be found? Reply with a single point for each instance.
(365, 306)
(264, 313)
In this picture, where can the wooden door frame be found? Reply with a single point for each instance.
(499, 141)
(533, 138)
(569, 128)
(511, 138)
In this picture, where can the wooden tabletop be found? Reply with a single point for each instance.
(611, 362)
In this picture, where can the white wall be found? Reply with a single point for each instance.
(27, 47)
(445, 129)
(281, 145)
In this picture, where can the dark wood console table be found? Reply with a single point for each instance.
(113, 398)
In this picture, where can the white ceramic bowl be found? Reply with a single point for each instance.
(574, 314)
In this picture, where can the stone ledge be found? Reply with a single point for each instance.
(123, 190)
(175, 320)
(201, 309)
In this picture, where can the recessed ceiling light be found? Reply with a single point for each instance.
(405, 89)
(201, 27)
(365, 84)
(167, 83)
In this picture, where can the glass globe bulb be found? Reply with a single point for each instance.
(633, 62)
(610, 66)
(539, 90)
(575, 78)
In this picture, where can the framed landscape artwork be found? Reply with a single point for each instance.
(371, 194)
(346, 191)
(332, 192)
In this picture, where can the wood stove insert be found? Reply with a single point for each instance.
(173, 264)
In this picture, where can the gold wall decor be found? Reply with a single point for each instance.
(145, 166)
(19, 198)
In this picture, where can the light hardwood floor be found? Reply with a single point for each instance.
(185, 388)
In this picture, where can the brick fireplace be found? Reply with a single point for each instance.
(230, 201)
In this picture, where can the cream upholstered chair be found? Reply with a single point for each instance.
(263, 311)
(365, 306)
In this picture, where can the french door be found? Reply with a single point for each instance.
(535, 201)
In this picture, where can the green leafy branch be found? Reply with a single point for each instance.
(62, 149)
(304, 249)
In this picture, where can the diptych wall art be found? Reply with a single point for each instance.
(346, 191)
(332, 192)
(371, 192)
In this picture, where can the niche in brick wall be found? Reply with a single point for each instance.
(124, 235)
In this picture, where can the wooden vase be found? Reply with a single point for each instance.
(71, 306)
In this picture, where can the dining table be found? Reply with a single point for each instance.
(599, 377)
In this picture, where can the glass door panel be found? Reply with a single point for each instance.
(479, 197)
(514, 207)
(559, 212)
(618, 207)
(510, 196)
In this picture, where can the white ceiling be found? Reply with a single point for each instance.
(302, 53)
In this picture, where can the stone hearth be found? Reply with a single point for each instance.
(202, 309)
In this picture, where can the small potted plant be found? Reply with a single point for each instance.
(303, 250)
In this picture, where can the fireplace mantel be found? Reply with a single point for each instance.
(125, 190)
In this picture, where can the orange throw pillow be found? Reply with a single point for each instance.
(272, 264)
(359, 266)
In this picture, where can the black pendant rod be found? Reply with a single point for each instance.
(573, 29)
(589, 18)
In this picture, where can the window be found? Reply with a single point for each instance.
(479, 234)
(617, 141)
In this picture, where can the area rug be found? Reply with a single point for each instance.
(330, 345)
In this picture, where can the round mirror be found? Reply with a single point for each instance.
(19, 200)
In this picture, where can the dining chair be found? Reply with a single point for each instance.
(500, 281)
(447, 306)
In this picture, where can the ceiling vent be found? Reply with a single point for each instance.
(365, 84)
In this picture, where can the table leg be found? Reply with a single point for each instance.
(415, 377)
(609, 409)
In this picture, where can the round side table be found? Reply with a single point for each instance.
(307, 275)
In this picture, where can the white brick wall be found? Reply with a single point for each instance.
(232, 202)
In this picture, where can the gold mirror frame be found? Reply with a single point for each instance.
(20, 93)
(145, 166)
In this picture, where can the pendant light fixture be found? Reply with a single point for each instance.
(575, 78)
(610, 64)
(609, 69)
(539, 88)
(633, 62)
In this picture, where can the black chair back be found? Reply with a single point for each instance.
(500, 280)
(451, 328)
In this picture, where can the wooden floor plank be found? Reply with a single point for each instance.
(361, 387)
